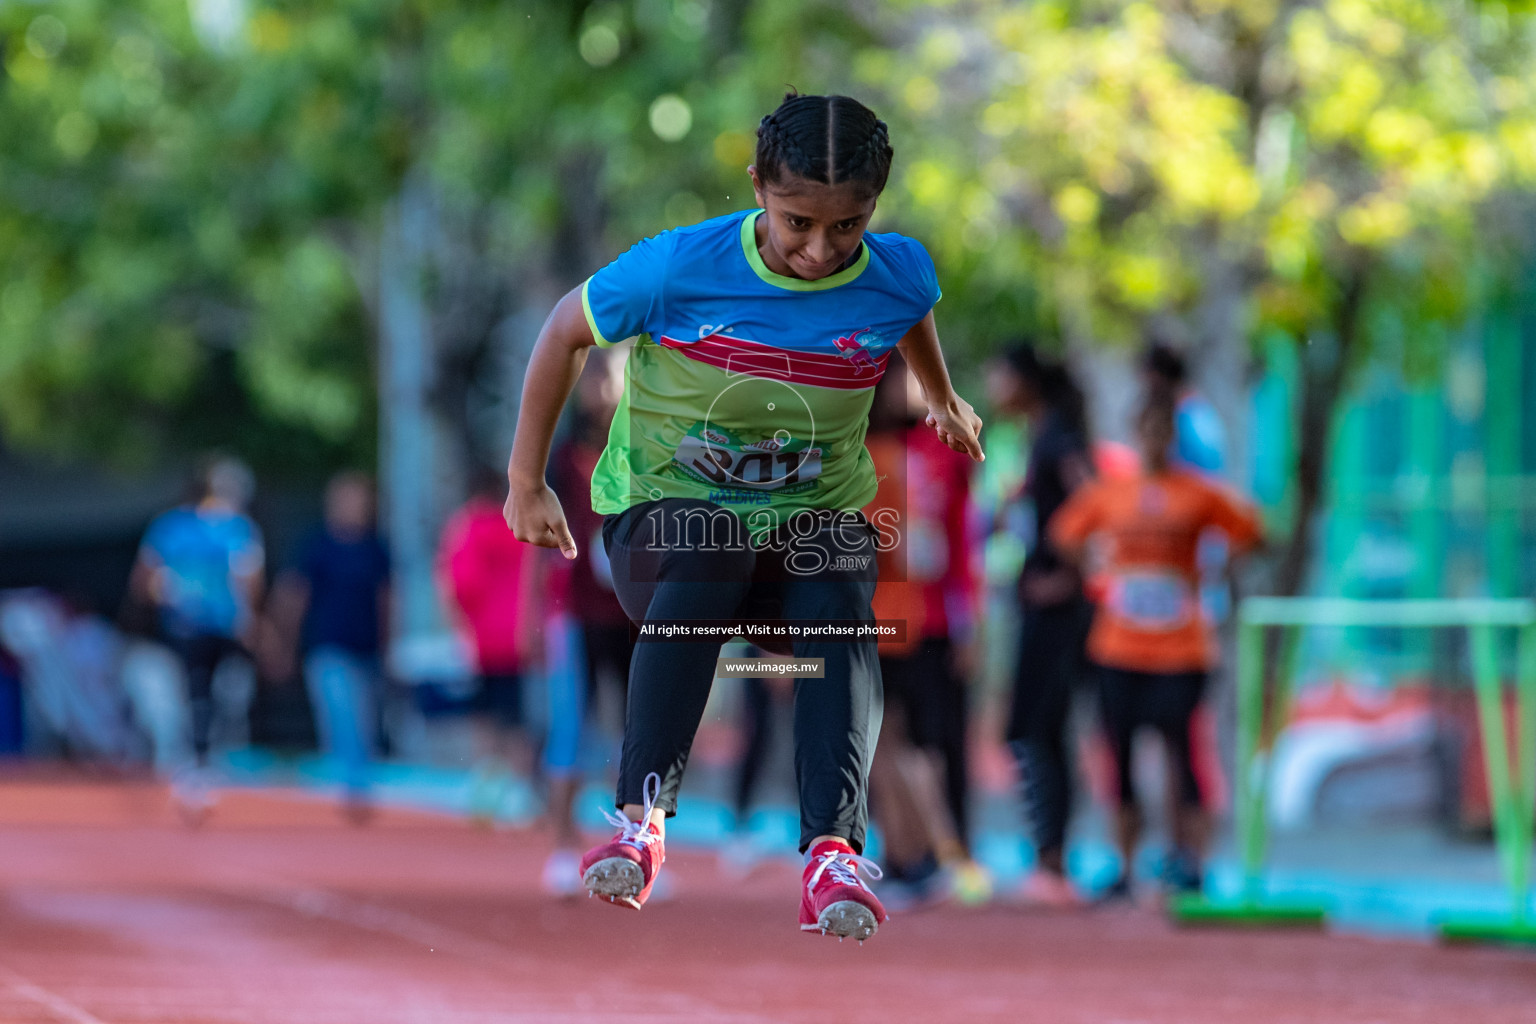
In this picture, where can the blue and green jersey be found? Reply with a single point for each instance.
(746, 388)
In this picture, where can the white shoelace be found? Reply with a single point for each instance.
(843, 867)
(638, 833)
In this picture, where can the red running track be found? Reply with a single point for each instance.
(277, 913)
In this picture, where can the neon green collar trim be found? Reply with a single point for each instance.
(794, 284)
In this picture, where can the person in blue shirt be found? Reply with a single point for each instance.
(201, 566)
(332, 606)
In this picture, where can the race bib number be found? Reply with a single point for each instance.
(760, 465)
(1155, 602)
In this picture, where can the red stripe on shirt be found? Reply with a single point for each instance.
(738, 356)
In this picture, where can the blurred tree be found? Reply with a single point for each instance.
(194, 193)
(145, 292)
(192, 209)
(1221, 169)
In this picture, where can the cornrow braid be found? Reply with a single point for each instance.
(871, 157)
(832, 140)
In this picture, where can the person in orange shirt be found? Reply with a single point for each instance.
(1150, 639)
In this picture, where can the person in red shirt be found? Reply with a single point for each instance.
(490, 582)
(1151, 640)
(920, 779)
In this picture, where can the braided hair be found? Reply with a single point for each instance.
(833, 140)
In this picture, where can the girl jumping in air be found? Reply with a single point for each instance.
(735, 469)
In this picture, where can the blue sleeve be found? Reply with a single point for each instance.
(247, 554)
(927, 276)
(154, 536)
(625, 297)
(1198, 439)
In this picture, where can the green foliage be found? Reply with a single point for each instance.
(1111, 151)
(190, 214)
(174, 191)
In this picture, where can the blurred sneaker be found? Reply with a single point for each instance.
(915, 886)
(833, 898)
(903, 896)
(624, 869)
(1180, 872)
(739, 856)
(194, 794)
(969, 883)
(1049, 890)
(562, 873)
(1117, 893)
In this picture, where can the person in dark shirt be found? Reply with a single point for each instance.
(1054, 614)
(332, 607)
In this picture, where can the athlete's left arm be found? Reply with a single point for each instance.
(952, 416)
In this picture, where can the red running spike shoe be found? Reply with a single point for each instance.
(623, 869)
(835, 900)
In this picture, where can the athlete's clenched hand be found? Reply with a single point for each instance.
(535, 516)
(958, 426)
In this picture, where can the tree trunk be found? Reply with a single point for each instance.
(1325, 364)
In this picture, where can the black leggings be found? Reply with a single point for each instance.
(1163, 702)
(934, 699)
(684, 559)
(609, 649)
(1051, 662)
(201, 655)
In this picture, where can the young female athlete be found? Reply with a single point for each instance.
(735, 469)
(1151, 639)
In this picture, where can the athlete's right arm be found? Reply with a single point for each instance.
(532, 510)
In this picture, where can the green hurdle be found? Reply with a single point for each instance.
(1513, 794)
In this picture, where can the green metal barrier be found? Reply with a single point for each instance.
(1513, 793)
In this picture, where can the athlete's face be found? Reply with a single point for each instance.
(809, 230)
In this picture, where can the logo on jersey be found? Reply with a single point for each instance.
(856, 351)
(724, 460)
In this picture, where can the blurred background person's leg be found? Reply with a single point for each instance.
(343, 689)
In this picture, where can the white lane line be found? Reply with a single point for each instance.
(51, 1001)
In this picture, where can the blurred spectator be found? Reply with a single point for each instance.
(1151, 641)
(68, 658)
(491, 586)
(926, 581)
(1053, 610)
(588, 637)
(155, 686)
(201, 566)
(1199, 439)
(332, 606)
(12, 736)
